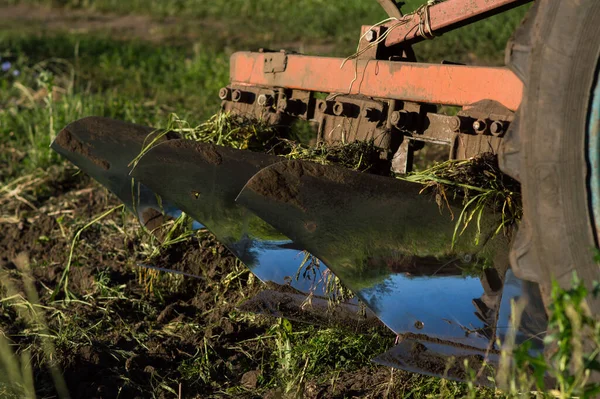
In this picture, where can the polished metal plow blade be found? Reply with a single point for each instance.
(393, 247)
(104, 149)
(203, 180)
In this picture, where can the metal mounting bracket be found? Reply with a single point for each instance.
(275, 62)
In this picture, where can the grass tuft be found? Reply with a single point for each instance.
(480, 184)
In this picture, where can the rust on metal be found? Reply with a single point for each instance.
(445, 16)
(275, 62)
(429, 83)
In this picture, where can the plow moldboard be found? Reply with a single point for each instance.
(392, 246)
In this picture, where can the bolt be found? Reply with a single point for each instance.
(454, 123)
(322, 106)
(310, 226)
(497, 128)
(419, 325)
(265, 100)
(224, 93)
(479, 126)
(338, 108)
(236, 95)
(371, 35)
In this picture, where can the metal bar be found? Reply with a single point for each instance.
(429, 83)
(446, 16)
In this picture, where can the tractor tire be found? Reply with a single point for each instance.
(551, 148)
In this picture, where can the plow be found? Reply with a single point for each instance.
(438, 268)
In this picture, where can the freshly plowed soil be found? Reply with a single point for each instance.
(95, 366)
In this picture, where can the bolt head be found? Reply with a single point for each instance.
(236, 95)
(338, 108)
(496, 128)
(370, 36)
(223, 93)
(455, 123)
(479, 126)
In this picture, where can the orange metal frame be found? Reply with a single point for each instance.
(418, 82)
(430, 83)
(447, 16)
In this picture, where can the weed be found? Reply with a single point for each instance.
(63, 284)
(480, 184)
(16, 377)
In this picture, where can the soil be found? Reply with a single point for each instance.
(70, 143)
(92, 368)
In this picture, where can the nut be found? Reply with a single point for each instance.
(338, 108)
(371, 35)
(236, 95)
(479, 126)
(224, 93)
(497, 128)
(265, 100)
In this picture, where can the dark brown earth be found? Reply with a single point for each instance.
(70, 143)
(93, 369)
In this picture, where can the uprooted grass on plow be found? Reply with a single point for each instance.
(257, 135)
(481, 185)
(246, 133)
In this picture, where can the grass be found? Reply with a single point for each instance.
(480, 184)
(150, 333)
(272, 22)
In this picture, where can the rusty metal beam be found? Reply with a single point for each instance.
(446, 16)
(429, 83)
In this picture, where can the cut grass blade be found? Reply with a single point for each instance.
(63, 284)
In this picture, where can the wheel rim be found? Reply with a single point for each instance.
(594, 152)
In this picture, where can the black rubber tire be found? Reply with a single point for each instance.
(555, 53)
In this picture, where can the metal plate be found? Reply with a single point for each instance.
(392, 246)
(203, 180)
(104, 148)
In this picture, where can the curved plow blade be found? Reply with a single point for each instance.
(104, 149)
(203, 180)
(392, 246)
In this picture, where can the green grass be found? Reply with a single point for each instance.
(250, 24)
